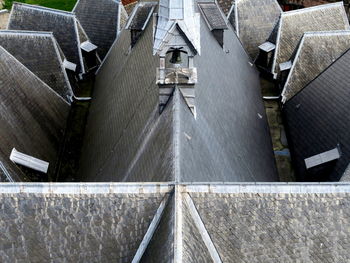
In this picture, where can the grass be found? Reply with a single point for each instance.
(66, 5)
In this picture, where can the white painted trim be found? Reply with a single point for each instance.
(268, 188)
(75, 6)
(202, 230)
(78, 45)
(55, 44)
(176, 131)
(151, 230)
(284, 99)
(313, 8)
(280, 22)
(178, 225)
(45, 9)
(85, 188)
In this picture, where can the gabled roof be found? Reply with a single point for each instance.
(254, 21)
(293, 24)
(64, 26)
(40, 53)
(317, 120)
(33, 116)
(51, 222)
(127, 139)
(315, 53)
(182, 223)
(102, 21)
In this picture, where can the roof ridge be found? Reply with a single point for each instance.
(26, 32)
(35, 76)
(312, 8)
(308, 84)
(45, 9)
(328, 33)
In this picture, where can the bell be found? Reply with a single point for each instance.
(176, 57)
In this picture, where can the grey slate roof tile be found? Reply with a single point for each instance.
(276, 228)
(314, 54)
(213, 15)
(294, 24)
(39, 52)
(125, 131)
(140, 15)
(33, 116)
(62, 24)
(255, 21)
(317, 121)
(74, 227)
(100, 21)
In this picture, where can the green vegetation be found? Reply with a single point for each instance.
(57, 4)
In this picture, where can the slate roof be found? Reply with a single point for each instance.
(254, 21)
(103, 224)
(317, 120)
(181, 223)
(293, 24)
(64, 26)
(225, 5)
(315, 53)
(101, 21)
(33, 116)
(40, 53)
(127, 139)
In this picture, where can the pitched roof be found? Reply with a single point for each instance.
(101, 21)
(39, 52)
(254, 21)
(64, 26)
(104, 223)
(225, 5)
(195, 223)
(293, 24)
(127, 139)
(317, 120)
(33, 116)
(316, 51)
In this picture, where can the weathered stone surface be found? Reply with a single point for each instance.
(74, 228)
(277, 227)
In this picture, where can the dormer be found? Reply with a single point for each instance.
(139, 19)
(215, 20)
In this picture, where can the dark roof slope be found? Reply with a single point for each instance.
(101, 21)
(315, 53)
(318, 119)
(254, 21)
(39, 52)
(62, 24)
(32, 115)
(228, 141)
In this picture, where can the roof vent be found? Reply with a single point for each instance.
(69, 65)
(267, 47)
(322, 158)
(29, 161)
(214, 19)
(88, 46)
(139, 19)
